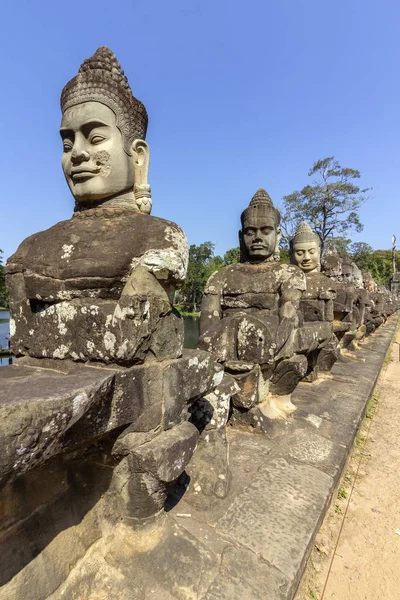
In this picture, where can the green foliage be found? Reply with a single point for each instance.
(339, 243)
(285, 255)
(197, 274)
(202, 264)
(362, 254)
(330, 204)
(3, 291)
(231, 257)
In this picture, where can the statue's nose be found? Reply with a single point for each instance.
(79, 154)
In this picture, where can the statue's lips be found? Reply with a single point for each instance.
(80, 174)
(258, 247)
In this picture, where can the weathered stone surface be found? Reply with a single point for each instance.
(90, 315)
(288, 374)
(278, 514)
(39, 407)
(250, 311)
(185, 568)
(44, 412)
(248, 394)
(264, 525)
(265, 581)
(167, 455)
(186, 379)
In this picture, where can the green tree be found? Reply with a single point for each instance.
(284, 255)
(201, 265)
(330, 204)
(363, 255)
(231, 256)
(341, 244)
(380, 265)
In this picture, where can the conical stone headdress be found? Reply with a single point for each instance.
(304, 233)
(101, 79)
(261, 206)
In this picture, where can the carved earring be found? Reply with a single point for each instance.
(143, 199)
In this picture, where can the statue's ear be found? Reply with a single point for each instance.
(278, 235)
(141, 160)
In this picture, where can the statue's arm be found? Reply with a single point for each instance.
(211, 316)
(210, 313)
(292, 287)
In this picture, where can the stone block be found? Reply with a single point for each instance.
(184, 380)
(287, 374)
(278, 514)
(166, 455)
(39, 409)
(313, 310)
(248, 384)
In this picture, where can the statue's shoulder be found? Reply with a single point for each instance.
(290, 275)
(320, 286)
(106, 241)
(158, 244)
(27, 247)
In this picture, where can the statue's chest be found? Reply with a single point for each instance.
(82, 255)
(250, 288)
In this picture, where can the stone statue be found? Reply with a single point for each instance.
(350, 301)
(315, 338)
(99, 286)
(96, 291)
(305, 249)
(249, 318)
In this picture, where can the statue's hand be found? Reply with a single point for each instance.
(288, 311)
(143, 283)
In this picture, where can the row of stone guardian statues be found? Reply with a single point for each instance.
(97, 290)
(273, 325)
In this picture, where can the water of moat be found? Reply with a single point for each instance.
(4, 331)
(192, 328)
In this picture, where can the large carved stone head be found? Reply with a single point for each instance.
(103, 129)
(260, 233)
(347, 271)
(357, 276)
(305, 249)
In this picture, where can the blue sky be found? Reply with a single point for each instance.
(240, 95)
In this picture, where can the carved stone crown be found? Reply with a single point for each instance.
(304, 233)
(101, 79)
(261, 206)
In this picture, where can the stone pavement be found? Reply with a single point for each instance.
(357, 552)
(261, 534)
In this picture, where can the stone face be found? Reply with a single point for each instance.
(305, 249)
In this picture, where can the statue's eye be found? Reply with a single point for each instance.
(312, 250)
(299, 252)
(97, 139)
(67, 144)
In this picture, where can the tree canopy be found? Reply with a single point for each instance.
(330, 204)
(202, 263)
